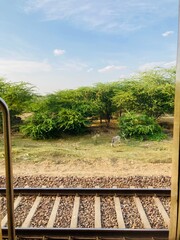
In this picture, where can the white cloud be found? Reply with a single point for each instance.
(73, 65)
(167, 33)
(170, 64)
(122, 76)
(23, 66)
(105, 15)
(58, 52)
(90, 70)
(110, 68)
(151, 65)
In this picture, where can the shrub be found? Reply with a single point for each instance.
(140, 127)
(41, 126)
(51, 125)
(71, 121)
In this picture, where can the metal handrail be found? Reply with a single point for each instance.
(8, 167)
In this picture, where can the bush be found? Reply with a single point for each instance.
(51, 125)
(41, 126)
(140, 127)
(71, 121)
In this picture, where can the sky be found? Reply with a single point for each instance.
(66, 44)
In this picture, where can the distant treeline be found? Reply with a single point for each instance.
(149, 93)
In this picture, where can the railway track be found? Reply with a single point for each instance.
(89, 213)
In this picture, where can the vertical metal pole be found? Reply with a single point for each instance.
(174, 229)
(8, 164)
(0, 230)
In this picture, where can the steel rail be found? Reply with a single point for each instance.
(91, 191)
(90, 233)
(8, 167)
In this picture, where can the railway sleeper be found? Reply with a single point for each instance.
(114, 214)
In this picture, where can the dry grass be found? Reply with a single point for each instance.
(87, 154)
(89, 148)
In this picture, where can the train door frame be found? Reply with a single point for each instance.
(0, 229)
(174, 229)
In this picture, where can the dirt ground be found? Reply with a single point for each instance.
(86, 170)
(82, 156)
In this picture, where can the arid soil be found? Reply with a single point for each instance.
(84, 169)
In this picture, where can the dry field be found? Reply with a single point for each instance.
(87, 156)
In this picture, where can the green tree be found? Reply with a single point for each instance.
(81, 100)
(71, 121)
(124, 97)
(150, 92)
(104, 100)
(18, 97)
(155, 92)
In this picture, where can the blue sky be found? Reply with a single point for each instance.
(65, 44)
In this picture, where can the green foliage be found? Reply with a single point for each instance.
(48, 125)
(104, 100)
(140, 127)
(154, 93)
(18, 97)
(71, 121)
(41, 126)
(124, 99)
(151, 93)
(80, 100)
(148, 93)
